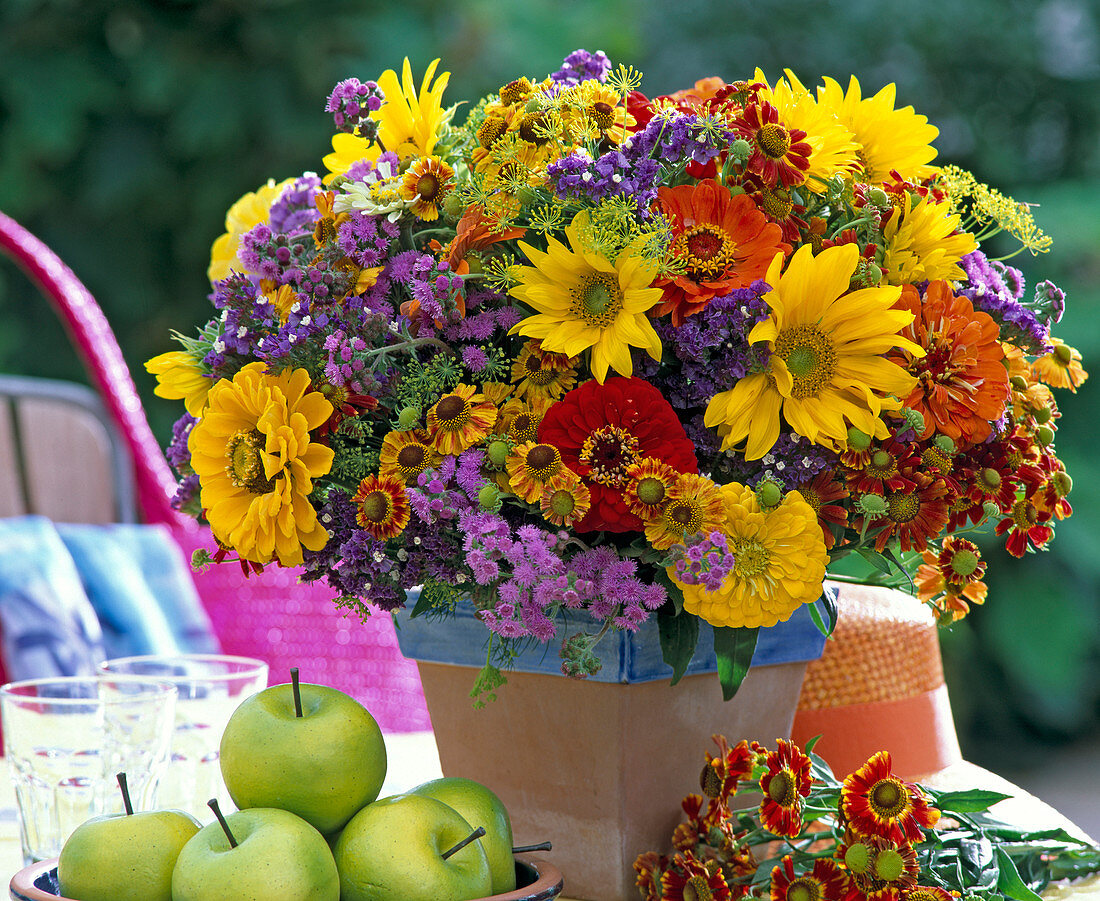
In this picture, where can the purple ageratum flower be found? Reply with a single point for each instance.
(366, 240)
(581, 65)
(704, 560)
(351, 103)
(295, 210)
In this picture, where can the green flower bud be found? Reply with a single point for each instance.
(1018, 382)
(408, 418)
(913, 419)
(498, 451)
(990, 509)
(945, 444)
(489, 497)
(769, 494)
(1044, 435)
(872, 505)
(740, 150)
(878, 197)
(889, 865)
(857, 857)
(1043, 415)
(858, 440)
(453, 205)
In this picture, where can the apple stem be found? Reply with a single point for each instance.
(213, 805)
(477, 833)
(297, 691)
(541, 846)
(122, 787)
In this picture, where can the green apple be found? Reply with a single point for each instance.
(278, 856)
(392, 850)
(309, 749)
(124, 857)
(480, 807)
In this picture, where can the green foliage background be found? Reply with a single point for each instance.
(127, 127)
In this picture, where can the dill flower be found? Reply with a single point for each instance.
(583, 301)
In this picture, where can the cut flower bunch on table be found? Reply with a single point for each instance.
(573, 348)
(868, 837)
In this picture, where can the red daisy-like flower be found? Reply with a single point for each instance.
(928, 893)
(950, 581)
(721, 242)
(914, 516)
(784, 785)
(878, 869)
(1024, 528)
(724, 771)
(820, 493)
(648, 868)
(826, 882)
(690, 878)
(779, 155)
(876, 802)
(346, 404)
(888, 467)
(603, 430)
(382, 509)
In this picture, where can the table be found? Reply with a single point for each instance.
(413, 759)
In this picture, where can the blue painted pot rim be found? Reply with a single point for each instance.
(628, 657)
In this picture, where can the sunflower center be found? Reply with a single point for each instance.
(777, 205)
(562, 502)
(543, 461)
(804, 890)
(706, 251)
(651, 491)
(491, 131)
(810, 357)
(781, 789)
(609, 452)
(684, 515)
(773, 140)
(888, 798)
(246, 466)
(696, 889)
(452, 412)
(935, 459)
(524, 428)
(602, 114)
(751, 556)
(427, 186)
(375, 507)
(536, 373)
(412, 457)
(532, 128)
(901, 507)
(598, 299)
(964, 562)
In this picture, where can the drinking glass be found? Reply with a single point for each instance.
(211, 687)
(66, 739)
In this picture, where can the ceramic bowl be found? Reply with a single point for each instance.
(537, 880)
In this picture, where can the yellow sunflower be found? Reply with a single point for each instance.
(180, 377)
(584, 301)
(780, 564)
(256, 463)
(923, 243)
(408, 123)
(826, 369)
(834, 148)
(424, 185)
(250, 210)
(406, 455)
(888, 138)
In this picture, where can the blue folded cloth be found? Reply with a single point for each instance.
(48, 626)
(74, 594)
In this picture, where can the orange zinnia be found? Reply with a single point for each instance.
(962, 385)
(722, 243)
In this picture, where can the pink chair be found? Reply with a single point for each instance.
(271, 615)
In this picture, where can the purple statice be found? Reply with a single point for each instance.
(274, 256)
(995, 288)
(186, 497)
(295, 211)
(436, 289)
(248, 319)
(346, 366)
(712, 348)
(793, 460)
(351, 103)
(614, 174)
(704, 560)
(177, 452)
(581, 65)
(366, 239)
(676, 139)
(386, 166)
(1049, 302)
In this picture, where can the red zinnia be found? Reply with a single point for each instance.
(784, 785)
(722, 242)
(602, 430)
(876, 802)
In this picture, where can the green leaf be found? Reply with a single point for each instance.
(734, 649)
(877, 560)
(971, 801)
(674, 591)
(679, 634)
(423, 603)
(1010, 883)
(811, 743)
(828, 600)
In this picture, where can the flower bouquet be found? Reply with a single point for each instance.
(590, 350)
(871, 836)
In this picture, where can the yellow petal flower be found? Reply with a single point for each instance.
(252, 209)
(180, 377)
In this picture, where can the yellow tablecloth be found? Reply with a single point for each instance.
(413, 759)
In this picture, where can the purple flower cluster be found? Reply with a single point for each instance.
(618, 593)
(581, 65)
(793, 460)
(177, 453)
(273, 255)
(996, 289)
(704, 560)
(366, 240)
(295, 209)
(482, 321)
(247, 317)
(351, 103)
(346, 361)
(677, 139)
(613, 174)
(448, 492)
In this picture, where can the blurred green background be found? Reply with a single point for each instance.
(127, 127)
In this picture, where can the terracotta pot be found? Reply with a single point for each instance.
(536, 880)
(599, 767)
